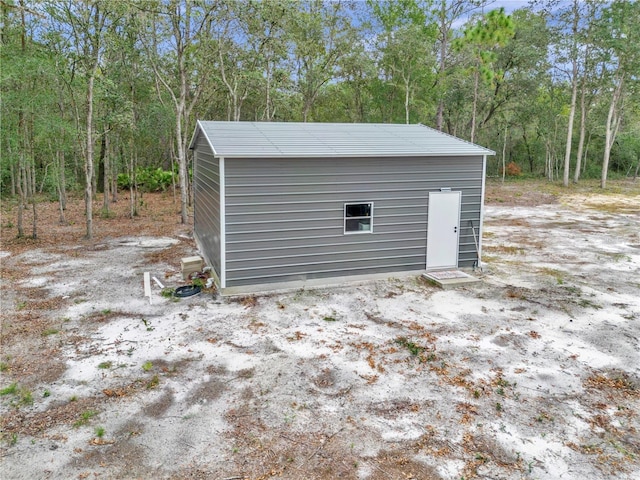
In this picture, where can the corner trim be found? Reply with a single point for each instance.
(223, 229)
(482, 193)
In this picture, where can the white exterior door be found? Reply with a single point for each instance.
(443, 230)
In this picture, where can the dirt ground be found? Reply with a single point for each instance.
(534, 373)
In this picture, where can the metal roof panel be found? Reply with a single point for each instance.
(283, 139)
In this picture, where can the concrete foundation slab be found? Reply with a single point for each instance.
(447, 279)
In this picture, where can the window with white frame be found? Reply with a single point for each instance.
(358, 217)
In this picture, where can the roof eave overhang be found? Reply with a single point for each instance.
(192, 143)
(363, 155)
(195, 134)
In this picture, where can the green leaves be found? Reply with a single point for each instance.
(488, 33)
(162, 64)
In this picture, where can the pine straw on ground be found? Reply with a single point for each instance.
(158, 215)
(27, 319)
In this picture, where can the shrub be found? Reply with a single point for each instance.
(149, 179)
(513, 170)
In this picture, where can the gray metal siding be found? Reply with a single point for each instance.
(284, 217)
(207, 203)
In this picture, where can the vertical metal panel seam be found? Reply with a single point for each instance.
(223, 229)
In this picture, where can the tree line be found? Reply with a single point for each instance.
(98, 95)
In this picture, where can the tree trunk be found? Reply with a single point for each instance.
(88, 165)
(173, 178)
(113, 178)
(444, 33)
(62, 180)
(528, 147)
(406, 101)
(613, 121)
(34, 234)
(305, 111)
(21, 199)
(25, 176)
(268, 91)
(182, 158)
(101, 165)
(607, 148)
(572, 112)
(235, 99)
(114, 184)
(574, 95)
(476, 80)
(105, 182)
(94, 182)
(504, 151)
(28, 178)
(548, 166)
(132, 199)
(62, 189)
(62, 220)
(583, 128)
(44, 178)
(13, 179)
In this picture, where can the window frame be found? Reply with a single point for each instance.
(370, 217)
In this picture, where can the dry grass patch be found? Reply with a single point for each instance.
(131, 388)
(105, 315)
(617, 205)
(483, 452)
(24, 326)
(248, 302)
(398, 465)
(559, 275)
(615, 381)
(504, 249)
(510, 222)
(396, 408)
(38, 423)
(44, 366)
(121, 458)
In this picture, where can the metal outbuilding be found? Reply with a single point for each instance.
(279, 204)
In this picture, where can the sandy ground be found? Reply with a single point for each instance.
(532, 374)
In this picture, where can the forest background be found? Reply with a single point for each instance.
(103, 95)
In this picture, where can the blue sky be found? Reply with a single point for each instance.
(509, 5)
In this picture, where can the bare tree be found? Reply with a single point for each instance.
(181, 25)
(573, 55)
(86, 21)
(618, 36)
(614, 117)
